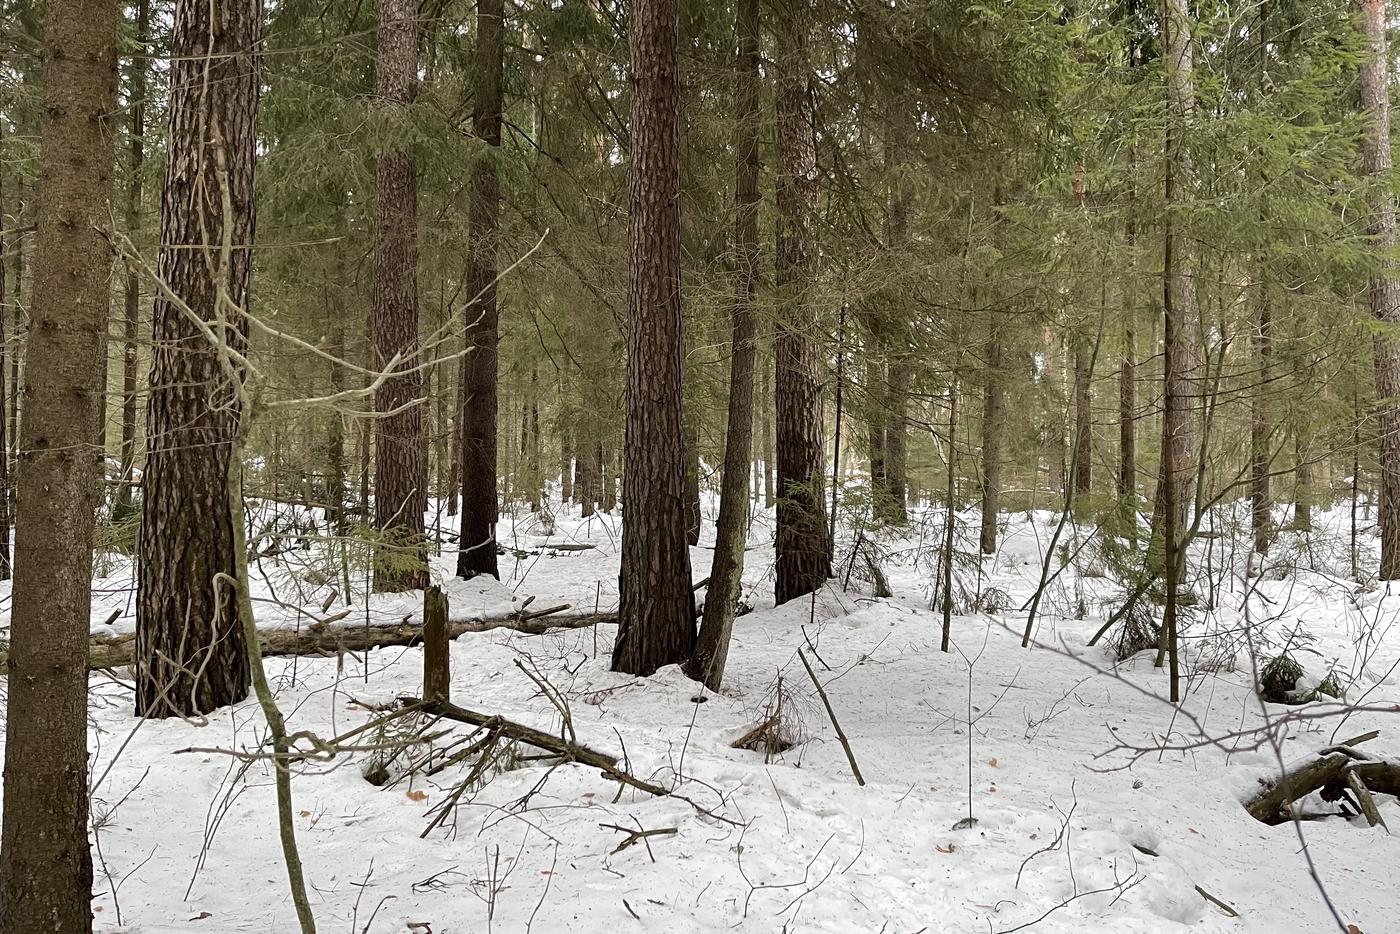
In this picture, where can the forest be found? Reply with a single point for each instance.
(699, 465)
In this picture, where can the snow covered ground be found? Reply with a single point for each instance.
(1098, 805)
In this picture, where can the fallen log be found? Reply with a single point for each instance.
(117, 651)
(1331, 770)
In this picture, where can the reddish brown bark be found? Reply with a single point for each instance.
(655, 626)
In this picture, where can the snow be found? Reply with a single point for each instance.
(1075, 763)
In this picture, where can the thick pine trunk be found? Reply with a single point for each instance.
(1383, 288)
(655, 626)
(190, 645)
(480, 401)
(400, 459)
(803, 546)
(727, 568)
(993, 420)
(45, 863)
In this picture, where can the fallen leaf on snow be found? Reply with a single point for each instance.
(417, 795)
(950, 848)
(993, 763)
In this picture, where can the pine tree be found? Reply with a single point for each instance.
(477, 554)
(803, 547)
(191, 649)
(655, 626)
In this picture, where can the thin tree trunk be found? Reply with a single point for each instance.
(1127, 419)
(803, 547)
(727, 568)
(477, 553)
(190, 646)
(45, 862)
(1083, 417)
(1181, 322)
(765, 417)
(1259, 503)
(132, 291)
(400, 461)
(335, 439)
(692, 483)
(992, 428)
(655, 626)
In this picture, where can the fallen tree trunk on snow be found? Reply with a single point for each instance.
(1334, 770)
(116, 651)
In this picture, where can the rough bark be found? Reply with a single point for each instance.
(45, 864)
(479, 510)
(1383, 290)
(803, 546)
(5, 390)
(400, 459)
(189, 641)
(765, 420)
(655, 626)
(727, 568)
(993, 424)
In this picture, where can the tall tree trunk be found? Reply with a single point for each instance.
(655, 626)
(335, 439)
(566, 467)
(189, 643)
(1083, 416)
(993, 420)
(585, 484)
(1383, 289)
(400, 461)
(131, 318)
(765, 417)
(479, 493)
(803, 546)
(896, 143)
(1260, 505)
(727, 568)
(876, 386)
(17, 334)
(5, 390)
(1180, 319)
(1127, 419)
(45, 864)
